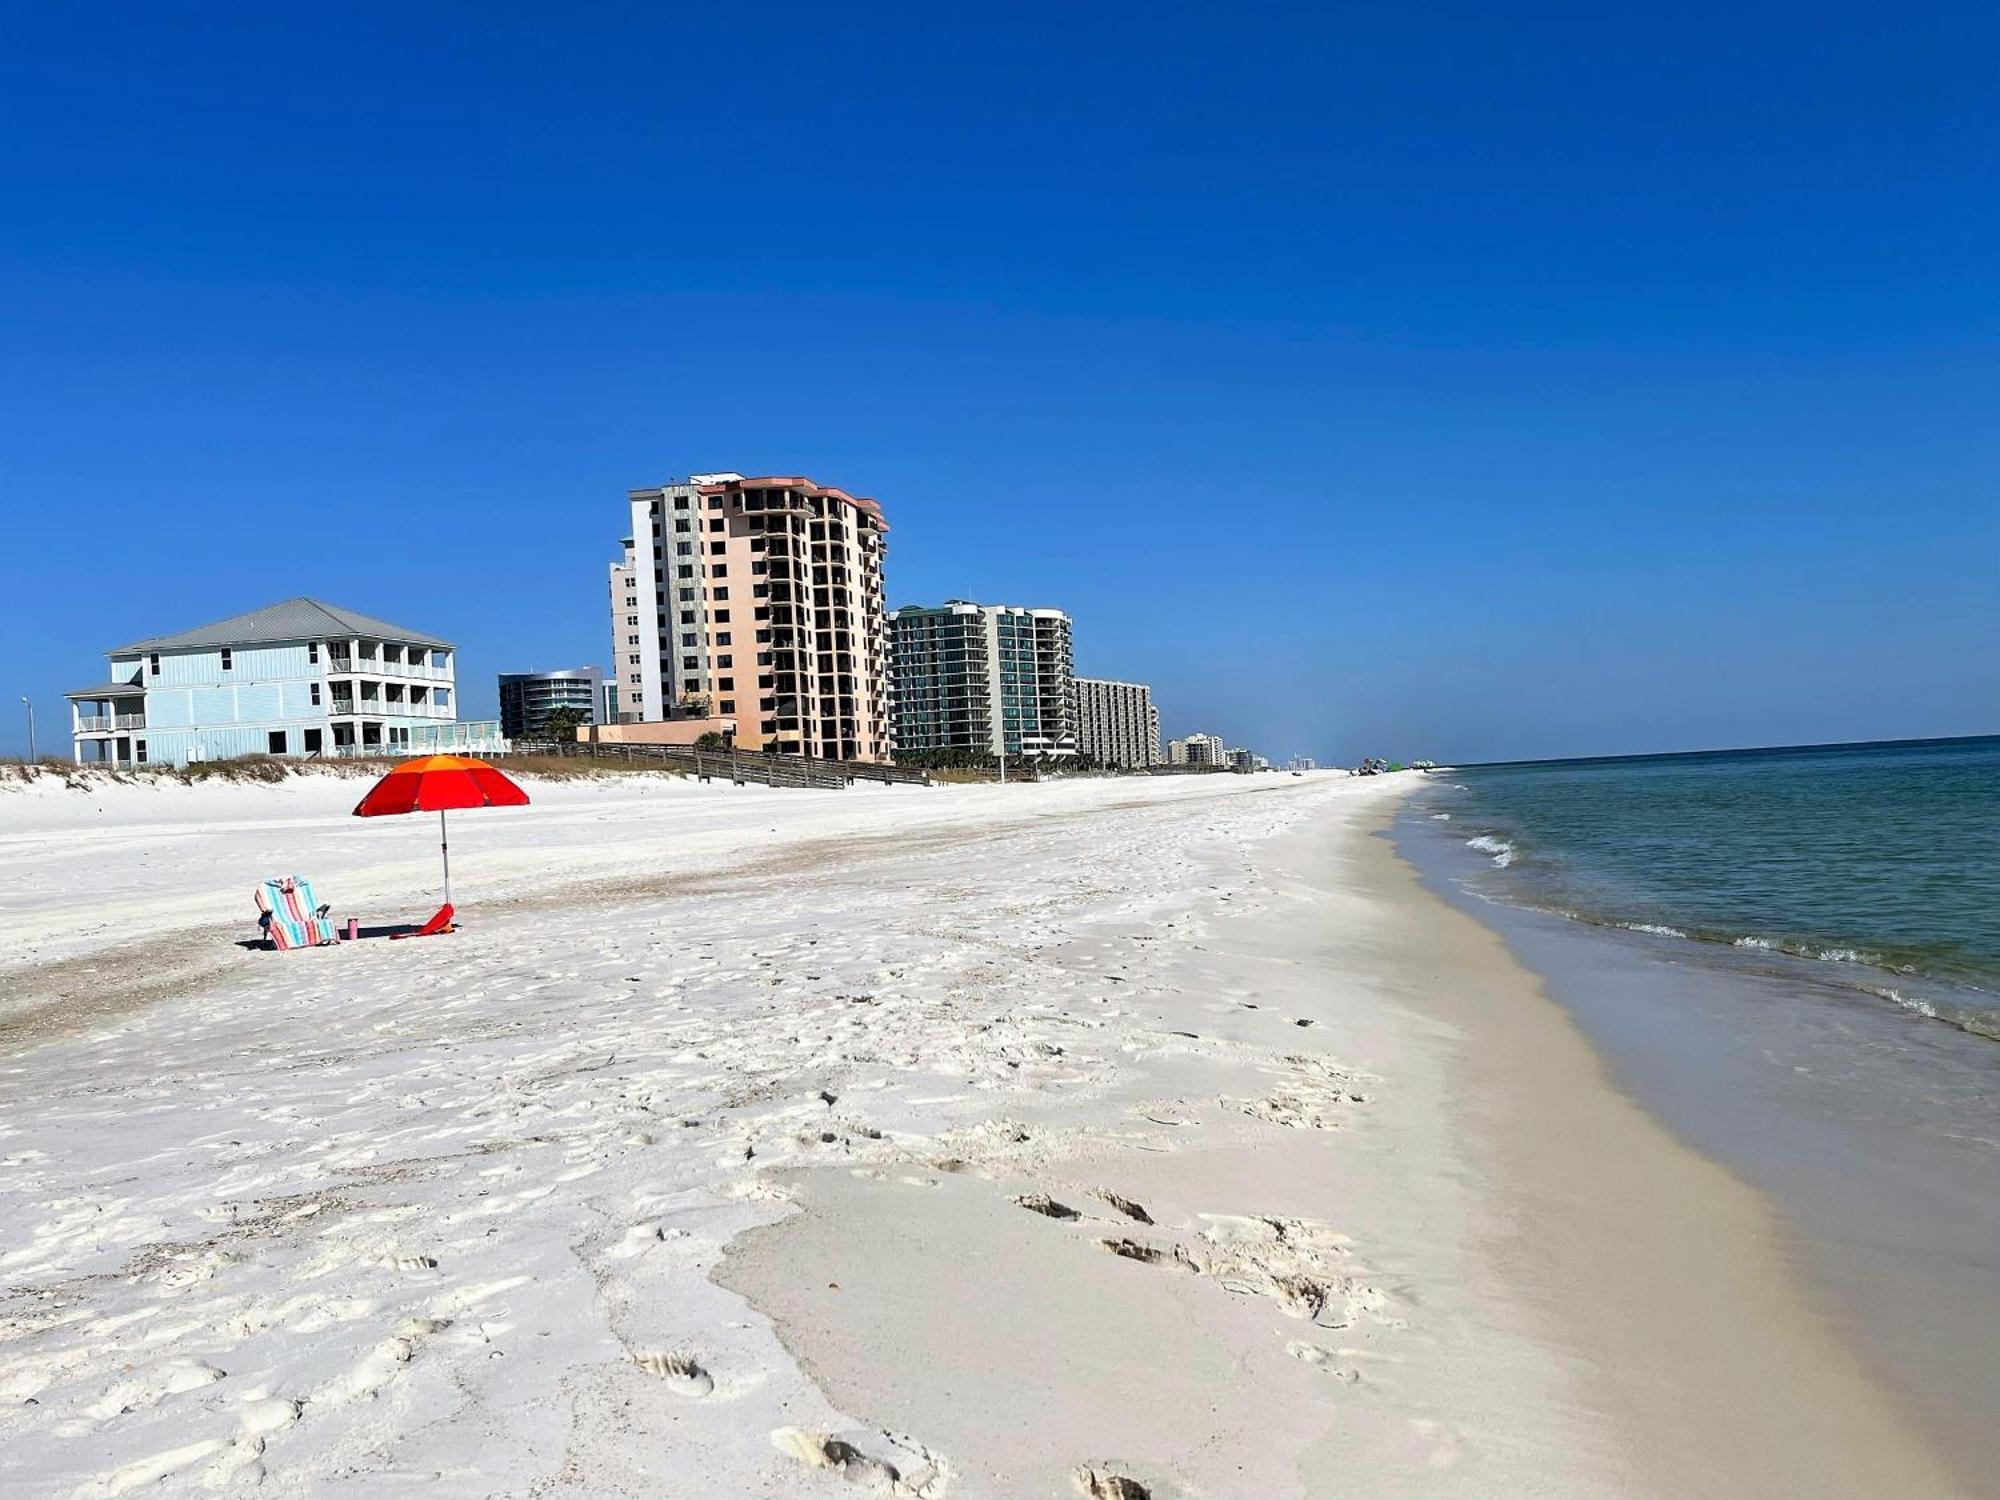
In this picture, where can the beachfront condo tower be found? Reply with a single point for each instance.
(981, 679)
(528, 698)
(1116, 723)
(1197, 750)
(752, 609)
(297, 678)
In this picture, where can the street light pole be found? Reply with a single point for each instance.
(33, 759)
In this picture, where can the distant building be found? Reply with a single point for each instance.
(626, 684)
(1196, 750)
(296, 678)
(1301, 763)
(1116, 723)
(752, 608)
(528, 698)
(982, 678)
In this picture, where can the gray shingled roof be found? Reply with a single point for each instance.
(298, 619)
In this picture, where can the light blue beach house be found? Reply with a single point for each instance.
(297, 678)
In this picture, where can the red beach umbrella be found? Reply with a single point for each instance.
(440, 784)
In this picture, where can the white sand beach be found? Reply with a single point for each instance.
(1114, 1138)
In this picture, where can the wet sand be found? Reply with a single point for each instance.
(1543, 1291)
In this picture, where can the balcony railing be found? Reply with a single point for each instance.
(107, 723)
(383, 708)
(368, 666)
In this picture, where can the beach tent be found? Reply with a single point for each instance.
(440, 784)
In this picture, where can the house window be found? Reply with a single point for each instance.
(722, 661)
(685, 570)
(687, 617)
(715, 522)
(722, 638)
(689, 664)
(153, 664)
(139, 751)
(727, 706)
(687, 640)
(315, 694)
(715, 548)
(725, 684)
(314, 742)
(277, 742)
(723, 592)
(681, 526)
(228, 660)
(312, 653)
(722, 617)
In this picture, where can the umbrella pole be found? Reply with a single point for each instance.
(444, 848)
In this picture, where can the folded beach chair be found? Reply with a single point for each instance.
(292, 916)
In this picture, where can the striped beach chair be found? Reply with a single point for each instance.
(292, 916)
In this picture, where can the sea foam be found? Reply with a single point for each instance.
(1500, 849)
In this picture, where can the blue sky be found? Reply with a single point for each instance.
(1463, 381)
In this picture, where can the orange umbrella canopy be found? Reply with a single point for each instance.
(440, 783)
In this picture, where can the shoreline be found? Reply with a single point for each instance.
(1859, 1126)
(1174, 1133)
(1628, 1283)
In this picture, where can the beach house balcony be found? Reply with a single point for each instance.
(108, 722)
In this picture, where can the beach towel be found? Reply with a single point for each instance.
(292, 915)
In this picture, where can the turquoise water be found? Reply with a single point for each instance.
(1879, 862)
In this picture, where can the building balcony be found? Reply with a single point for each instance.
(109, 723)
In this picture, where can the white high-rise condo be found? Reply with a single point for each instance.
(1116, 723)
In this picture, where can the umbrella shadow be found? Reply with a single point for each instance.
(399, 929)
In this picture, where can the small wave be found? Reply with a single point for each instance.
(1910, 1002)
(1755, 942)
(1440, 817)
(1655, 928)
(1500, 849)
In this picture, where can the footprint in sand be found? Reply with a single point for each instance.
(1047, 1207)
(149, 1388)
(1321, 1358)
(682, 1373)
(1134, 1211)
(1149, 1255)
(910, 1469)
(1103, 1484)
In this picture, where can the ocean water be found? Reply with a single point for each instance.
(1882, 859)
(1792, 958)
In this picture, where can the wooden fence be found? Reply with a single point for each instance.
(735, 765)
